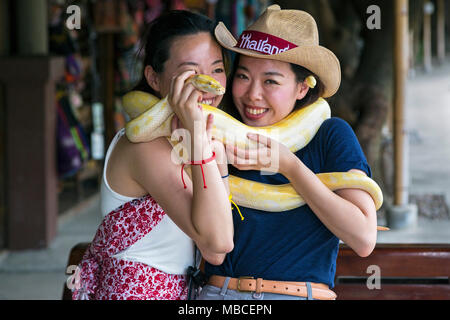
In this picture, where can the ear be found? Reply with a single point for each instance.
(152, 78)
(302, 88)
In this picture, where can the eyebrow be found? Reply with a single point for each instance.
(190, 63)
(273, 73)
(268, 73)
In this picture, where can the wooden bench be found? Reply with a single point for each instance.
(407, 272)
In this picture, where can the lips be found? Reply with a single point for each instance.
(254, 113)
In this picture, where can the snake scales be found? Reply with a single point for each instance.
(151, 118)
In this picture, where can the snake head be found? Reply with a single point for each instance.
(206, 84)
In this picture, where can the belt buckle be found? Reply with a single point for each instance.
(239, 284)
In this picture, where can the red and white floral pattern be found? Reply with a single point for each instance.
(104, 277)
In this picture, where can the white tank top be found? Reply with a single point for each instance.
(165, 247)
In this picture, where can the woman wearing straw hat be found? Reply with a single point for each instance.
(290, 255)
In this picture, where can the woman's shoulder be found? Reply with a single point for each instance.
(139, 155)
(333, 128)
(145, 159)
(146, 149)
(335, 124)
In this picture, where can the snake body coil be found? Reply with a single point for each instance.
(151, 118)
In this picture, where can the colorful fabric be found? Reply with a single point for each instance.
(103, 277)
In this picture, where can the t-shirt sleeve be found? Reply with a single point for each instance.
(342, 150)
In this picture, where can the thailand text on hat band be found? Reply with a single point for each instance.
(263, 42)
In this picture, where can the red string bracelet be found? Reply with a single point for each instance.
(201, 163)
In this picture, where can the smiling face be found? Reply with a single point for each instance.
(198, 52)
(265, 91)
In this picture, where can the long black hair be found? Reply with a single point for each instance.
(162, 31)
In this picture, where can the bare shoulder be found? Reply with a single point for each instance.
(148, 151)
(131, 165)
(150, 162)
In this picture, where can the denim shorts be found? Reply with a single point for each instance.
(210, 292)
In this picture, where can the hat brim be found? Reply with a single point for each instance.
(317, 59)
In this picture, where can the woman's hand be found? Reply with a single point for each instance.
(216, 145)
(184, 99)
(269, 155)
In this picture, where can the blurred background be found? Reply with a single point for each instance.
(66, 64)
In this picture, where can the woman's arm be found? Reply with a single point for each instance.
(203, 214)
(199, 206)
(349, 214)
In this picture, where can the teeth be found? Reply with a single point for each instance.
(255, 111)
(208, 102)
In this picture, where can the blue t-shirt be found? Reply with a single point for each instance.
(293, 245)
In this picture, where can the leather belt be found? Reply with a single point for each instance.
(248, 284)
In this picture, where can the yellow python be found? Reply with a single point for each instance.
(151, 118)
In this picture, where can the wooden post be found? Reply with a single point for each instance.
(400, 72)
(32, 178)
(32, 27)
(4, 28)
(4, 51)
(428, 9)
(441, 31)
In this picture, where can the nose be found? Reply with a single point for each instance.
(254, 92)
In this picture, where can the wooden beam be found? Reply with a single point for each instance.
(32, 24)
(400, 72)
(427, 12)
(4, 28)
(31, 175)
(441, 31)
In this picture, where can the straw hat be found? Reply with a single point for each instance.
(290, 36)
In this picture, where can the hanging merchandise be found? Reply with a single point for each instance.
(76, 129)
(73, 69)
(119, 114)
(130, 33)
(69, 158)
(177, 5)
(72, 146)
(238, 17)
(127, 46)
(154, 9)
(138, 9)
